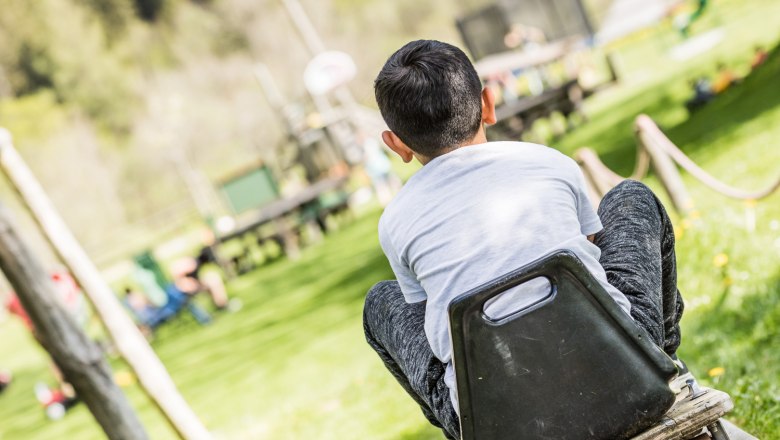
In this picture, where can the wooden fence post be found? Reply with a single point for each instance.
(129, 341)
(80, 359)
(665, 168)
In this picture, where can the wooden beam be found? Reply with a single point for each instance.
(129, 341)
(665, 168)
(305, 28)
(79, 358)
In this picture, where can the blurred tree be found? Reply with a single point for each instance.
(149, 10)
(35, 68)
(24, 51)
(114, 15)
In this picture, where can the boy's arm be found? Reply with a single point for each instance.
(590, 223)
(410, 287)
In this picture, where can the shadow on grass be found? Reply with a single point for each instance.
(345, 286)
(740, 103)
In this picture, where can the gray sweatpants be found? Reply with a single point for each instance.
(637, 253)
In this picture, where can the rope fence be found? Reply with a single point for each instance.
(654, 148)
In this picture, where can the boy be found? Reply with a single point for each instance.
(477, 210)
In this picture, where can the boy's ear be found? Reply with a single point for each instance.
(488, 107)
(398, 146)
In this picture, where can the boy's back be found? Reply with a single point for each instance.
(478, 212)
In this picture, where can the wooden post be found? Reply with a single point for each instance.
(337, 132)
(666, 169)
(129, 341)
(304, 27)
(80, 359)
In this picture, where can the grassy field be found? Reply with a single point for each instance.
(292, 363)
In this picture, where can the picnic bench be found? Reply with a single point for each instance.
(571, 365)
(288, 216)
(514, 117)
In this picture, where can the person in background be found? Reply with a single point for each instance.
(724, 79)
(379, 170)
(759, 57)
(177, 300)
(58, 400)
(140, 305)
(146, 280)
(702, 94)
(5, 380)
(189, 278)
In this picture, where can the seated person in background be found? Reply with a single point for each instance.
(188, 277)
(702, 94)
(759, 57)
(177, 299)
(5, 380)
(142, 308)
(477, 210)
(379, 169)
(724, 79)
(62, 397)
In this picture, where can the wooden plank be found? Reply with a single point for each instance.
(515, 60)
(688, 416)
(282, 207)
(548, 98)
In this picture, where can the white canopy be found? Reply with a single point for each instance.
(627, 16)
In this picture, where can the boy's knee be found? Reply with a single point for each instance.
(629, 195)
(381, 291)
(379, 299)
(634, 189)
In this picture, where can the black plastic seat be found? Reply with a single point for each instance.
(571, 366)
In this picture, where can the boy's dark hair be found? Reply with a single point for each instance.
(429, 95)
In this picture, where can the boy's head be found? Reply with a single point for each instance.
(431, 98)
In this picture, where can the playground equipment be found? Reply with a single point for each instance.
(577, 367)
(289, 214)
(322, 141)
(656, 149)
(484, 30)
(250, 188)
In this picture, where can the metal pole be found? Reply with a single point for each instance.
(130, 343)
(304, 27)
(197, 184)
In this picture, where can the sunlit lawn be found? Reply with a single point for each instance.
(292, 363)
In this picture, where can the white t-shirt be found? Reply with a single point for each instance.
(478, 212)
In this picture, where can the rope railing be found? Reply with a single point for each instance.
(649, 128)
(657, 149)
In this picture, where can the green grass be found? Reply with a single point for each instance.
(733, 314)
(292, 363)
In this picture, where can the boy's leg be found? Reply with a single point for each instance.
(395, 330)
(637, 253)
